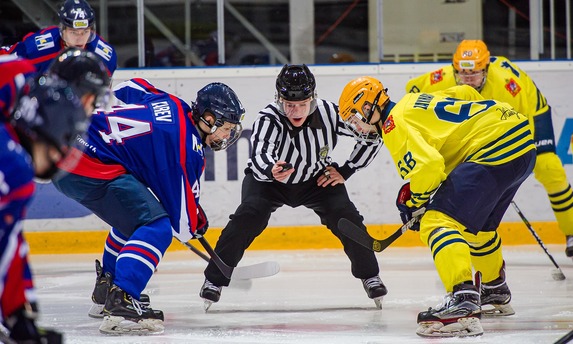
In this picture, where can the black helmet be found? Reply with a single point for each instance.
(85, 71)
(295, 82)
(50, 112)
(220, 100)
(77, 14)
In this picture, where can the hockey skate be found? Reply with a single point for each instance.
(101, 289)
(457, 316)
(126, 315)
(495, 296)
(375, 289)
(569, 246)
(21, 328)
(210, 293)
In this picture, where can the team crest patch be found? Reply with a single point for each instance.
(44, 41)
(512, 87)
(323, 153)
(389, 125)
(103, 50)
(436, 76)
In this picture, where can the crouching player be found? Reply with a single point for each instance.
(471, 155)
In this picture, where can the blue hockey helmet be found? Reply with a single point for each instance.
(50, 112)
(77, 14)
(85, 71)
(222, 102)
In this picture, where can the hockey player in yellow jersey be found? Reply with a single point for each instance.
(495, 77)
(465, 157)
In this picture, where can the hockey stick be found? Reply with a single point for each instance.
(565, 339)
(361, 237)
(556, 273)
(259, 270)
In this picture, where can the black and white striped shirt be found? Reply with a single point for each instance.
(307, 148)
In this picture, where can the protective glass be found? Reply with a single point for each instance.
(296, 109)
(471, 78)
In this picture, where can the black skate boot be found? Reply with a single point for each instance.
(495, 296)
(458, 315)
(21, 328)
(125, 315)
(210, 293)
(569, 246)
(375, 289)
(101, 289)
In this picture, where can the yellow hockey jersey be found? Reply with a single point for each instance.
(505, 82)
(429, 134)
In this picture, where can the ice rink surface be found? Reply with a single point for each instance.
(313, 299)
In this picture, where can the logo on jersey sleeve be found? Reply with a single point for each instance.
(45, 41)
(104, 50)
(436, 76)
(512, 87)
(389, 125)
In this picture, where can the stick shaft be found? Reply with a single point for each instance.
(532, 231)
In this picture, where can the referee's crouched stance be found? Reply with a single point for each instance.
(290, 164)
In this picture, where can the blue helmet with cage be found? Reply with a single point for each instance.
(222, 102)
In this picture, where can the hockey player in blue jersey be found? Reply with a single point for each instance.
(76, 29)
(140, 172)
(33, 139)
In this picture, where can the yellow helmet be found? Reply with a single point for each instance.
(358, 100)
(365, 90)
(471, 55)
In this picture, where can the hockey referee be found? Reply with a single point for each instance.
(290, 164)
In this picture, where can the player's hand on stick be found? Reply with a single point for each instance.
(202, 222)
(408, 212)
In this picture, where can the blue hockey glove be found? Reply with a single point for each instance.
(202, 222)
(406, 212)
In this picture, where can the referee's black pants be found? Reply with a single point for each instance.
(260, 199)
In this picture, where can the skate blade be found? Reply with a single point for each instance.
(117, 326)
(378, 302)
(464, 327)
(96, 311)
(497, 310)
(207, 304)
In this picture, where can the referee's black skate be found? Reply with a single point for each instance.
(457, 316)
(101, 289)
(210, 293)
(375, 289)
(125, 315)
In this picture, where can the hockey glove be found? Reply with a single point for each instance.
(202, 222)
(406, 212)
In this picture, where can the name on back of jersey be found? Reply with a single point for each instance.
(162, 112)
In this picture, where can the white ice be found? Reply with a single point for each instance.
(313, 299)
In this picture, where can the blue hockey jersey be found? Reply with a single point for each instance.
(43, 46)
(154, 138)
